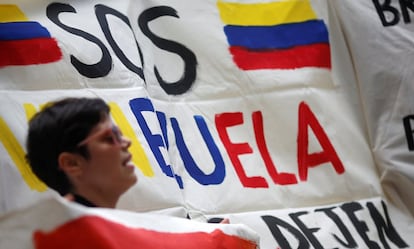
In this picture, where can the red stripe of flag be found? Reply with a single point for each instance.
(314, 55)
(98, 233)
(28, 52)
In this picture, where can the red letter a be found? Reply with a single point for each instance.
(305, 160)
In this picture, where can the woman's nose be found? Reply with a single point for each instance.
(125, 142)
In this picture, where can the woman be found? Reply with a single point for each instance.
(74, 147)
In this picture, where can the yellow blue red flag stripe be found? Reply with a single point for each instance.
(24, 42)
(275, 35)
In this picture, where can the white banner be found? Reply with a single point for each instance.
(368, 223)
(232, 106)
(379, 37)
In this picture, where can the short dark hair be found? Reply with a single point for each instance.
(57, 128)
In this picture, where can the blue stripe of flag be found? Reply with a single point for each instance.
(278, 36)
(22, 30)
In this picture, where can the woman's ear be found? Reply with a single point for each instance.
(70, 163)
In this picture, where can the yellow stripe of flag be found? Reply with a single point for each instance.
(17, 154)
(138, 154)
(30, 110)
(266, 14)
(11, 13)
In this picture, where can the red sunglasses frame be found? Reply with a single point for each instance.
(113, 130)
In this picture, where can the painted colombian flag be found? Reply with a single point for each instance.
(23, 42)
(275, 35)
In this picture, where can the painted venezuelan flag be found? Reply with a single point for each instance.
(275, 35)
(23, 42)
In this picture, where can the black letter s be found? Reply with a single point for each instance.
(101, 12)
(190, 60)
(99, 69)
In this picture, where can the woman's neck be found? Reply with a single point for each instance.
(93, 199)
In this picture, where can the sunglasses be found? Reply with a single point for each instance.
(113, 131)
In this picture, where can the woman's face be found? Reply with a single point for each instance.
(108, 170)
